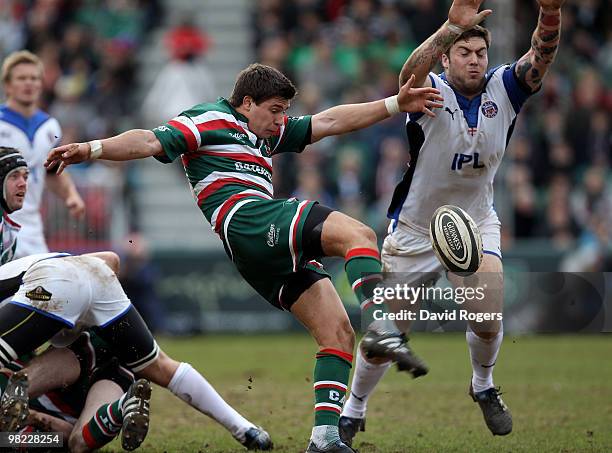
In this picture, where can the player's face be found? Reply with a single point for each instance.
(15, 187)
(25, 84)
(467, 64)
(266, 118)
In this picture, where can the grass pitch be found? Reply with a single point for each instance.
(559, 389)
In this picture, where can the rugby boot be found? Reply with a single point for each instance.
(338, 447)
(348, 428)
(394, 347)
(14, 403)
(495, 412)
(257, 438)
(135, 410)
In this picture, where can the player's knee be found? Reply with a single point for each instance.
(359, 236)
(161, 371)
(366, 237)
(487, 330)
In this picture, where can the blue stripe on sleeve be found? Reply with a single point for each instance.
(516, 92)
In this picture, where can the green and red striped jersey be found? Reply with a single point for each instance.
(224, 161)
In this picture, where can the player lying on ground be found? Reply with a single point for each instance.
(454, 158)
(50, 294)
(84, 408)
(227, 150)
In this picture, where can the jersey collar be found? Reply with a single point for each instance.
(29, 126)
(235, 112)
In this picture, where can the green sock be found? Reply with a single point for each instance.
(331, 375)
(363, 269)
(104, 425)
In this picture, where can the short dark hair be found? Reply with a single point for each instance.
(475, 32)
(261, 82)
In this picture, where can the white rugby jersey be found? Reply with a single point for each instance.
(33, 137)
(454, 156)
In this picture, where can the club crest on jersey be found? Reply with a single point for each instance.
(489, 109)
(39, 293)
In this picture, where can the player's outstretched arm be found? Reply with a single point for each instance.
(352, 117)
(134, 144)
(463, 15)
(532, 67)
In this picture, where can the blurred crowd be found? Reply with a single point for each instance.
(89, 50)
(556, 179)
(555, 182)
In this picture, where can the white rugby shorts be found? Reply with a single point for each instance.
(79, 290)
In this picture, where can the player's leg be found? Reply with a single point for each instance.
(320, 310)
(189, 385)
(346, 237)
(103, 414)
(407, 258)
(54, 368)
(485, 338)
(145, 358)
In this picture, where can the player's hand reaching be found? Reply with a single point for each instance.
(62, 156)
(464, 13)
(551, 4)
(416, 100)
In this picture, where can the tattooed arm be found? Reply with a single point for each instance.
(532, 67)
(463, 15)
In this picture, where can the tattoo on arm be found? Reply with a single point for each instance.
(532, 66)
(425, 57)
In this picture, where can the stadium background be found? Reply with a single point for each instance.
(116, 64)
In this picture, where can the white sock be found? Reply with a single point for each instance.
(324, 435)
(194, 389)
(366, 377)
(483, 354)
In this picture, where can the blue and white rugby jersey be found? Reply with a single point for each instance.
(33, 137)
(454, 156)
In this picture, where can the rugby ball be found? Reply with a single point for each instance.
(456, 240)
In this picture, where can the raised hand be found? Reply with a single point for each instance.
(464, 13)
(62, 156)
(416, 100)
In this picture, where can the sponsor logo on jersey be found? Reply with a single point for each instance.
(241, 166)
(460, 160)
(162, 128)
(273, 235)
(237, 136)
(489, 109)
(39, 293)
